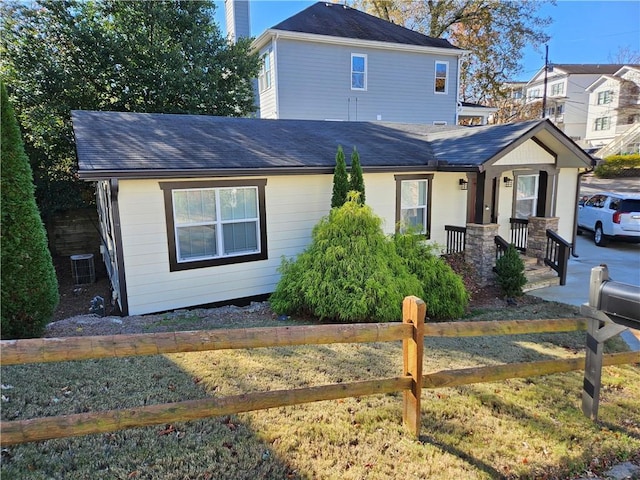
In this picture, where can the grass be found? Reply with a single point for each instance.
(528, 428)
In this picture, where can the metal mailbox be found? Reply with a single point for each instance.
(613, 307)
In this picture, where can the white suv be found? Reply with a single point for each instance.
(610, 215)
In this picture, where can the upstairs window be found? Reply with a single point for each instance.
(604, 97)
(264, 77)
(557, 89)
(442, 71)
(358, 71)
(533, 94)
(602, 123)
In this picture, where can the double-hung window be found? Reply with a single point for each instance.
(442, 71)
(413, 195)
(358, 71)
(264, 76)
(557, 89)
(526, 201)
(215, 223)
(602, 123)
(604, 97)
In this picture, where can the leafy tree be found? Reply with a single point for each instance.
(510, 272)
(444, 291)
(356, 181)
(340, 180)
(160, 56)
(29, 285)
(494, 31)
(350, 272)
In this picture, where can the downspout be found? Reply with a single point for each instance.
(275, 74)
(458, 99)
(575, 212)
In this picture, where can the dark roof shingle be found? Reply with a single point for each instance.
(341, 21)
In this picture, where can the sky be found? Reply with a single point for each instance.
(581, 32)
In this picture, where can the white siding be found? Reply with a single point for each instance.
(314, 82)
(566, 204)
(267, 98)
(527, 153)
(294, 206)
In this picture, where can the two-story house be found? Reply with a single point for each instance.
(566, 97)
(613, 121)
(332, 62)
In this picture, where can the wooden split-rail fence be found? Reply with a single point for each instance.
(411, 331)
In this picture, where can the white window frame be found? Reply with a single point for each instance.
(436, 77)
(401, 182)
(557, 89)
(176, 261)
(364, 73)
(604, 97)
(517, 198)
(264, 77)
(602, 123)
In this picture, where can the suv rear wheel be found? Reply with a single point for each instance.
(599, 237)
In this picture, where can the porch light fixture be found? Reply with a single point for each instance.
(508, 182)
(464, 185)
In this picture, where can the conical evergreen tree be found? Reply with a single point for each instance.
(340, 180)
(356, 182)
(29, 284)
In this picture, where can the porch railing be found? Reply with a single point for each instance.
(519, 230)
(501, 246)
(456, 239)
(557, 255)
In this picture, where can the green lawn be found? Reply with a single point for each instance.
(529, 428)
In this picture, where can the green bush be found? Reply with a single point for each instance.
(619, 166)
(340, 180)
(29, 284)
(510, 271)
(349, 273)
(444, 290)
(356, 180)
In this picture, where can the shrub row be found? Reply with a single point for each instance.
(619, 166)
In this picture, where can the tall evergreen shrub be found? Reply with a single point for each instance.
(510, 272)
(444, 291)
(340, 180)
(356, 180)
(29, 285)
(350, 272)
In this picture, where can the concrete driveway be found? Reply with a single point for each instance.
(622, 259)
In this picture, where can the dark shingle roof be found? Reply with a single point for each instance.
(114, 141)
(341, 21)
(457, 147)
(151, 145)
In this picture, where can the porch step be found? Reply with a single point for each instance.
(546, 279)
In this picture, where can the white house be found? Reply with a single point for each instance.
(567, 98)
(613, 120)
(333, 62)
(196, 209)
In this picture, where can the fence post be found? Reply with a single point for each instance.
(413, 312)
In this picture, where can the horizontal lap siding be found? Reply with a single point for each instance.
(314, 82)
(566, 205)
(448, 205)
(295, 204)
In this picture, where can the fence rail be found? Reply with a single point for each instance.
(412, 332)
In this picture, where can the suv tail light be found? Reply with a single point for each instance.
(616, 217)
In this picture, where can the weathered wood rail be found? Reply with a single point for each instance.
(412, 332)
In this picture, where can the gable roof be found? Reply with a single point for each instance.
(147, 145)
(560, 69)
(335, 20)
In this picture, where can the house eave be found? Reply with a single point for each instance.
(271, 33)
(94, 175)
